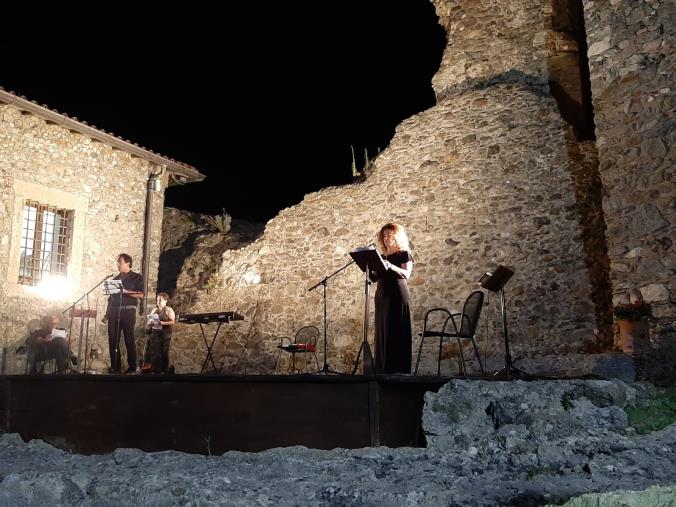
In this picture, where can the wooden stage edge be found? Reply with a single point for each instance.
(212, 414)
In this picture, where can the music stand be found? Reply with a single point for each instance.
(369, 261)
(112, 287)
(495, 282)
(82, 314)
(87, 314)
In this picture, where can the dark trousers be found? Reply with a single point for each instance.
(159, 351)
(124, 325)
(56, 348)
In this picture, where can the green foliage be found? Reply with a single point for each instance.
(212, 282)
(566, 402)
(531, 473)
(368, 164)
(658, 413)
(632, 311)
(355, 173)
(219, 222)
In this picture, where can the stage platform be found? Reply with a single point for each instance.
(204, 414)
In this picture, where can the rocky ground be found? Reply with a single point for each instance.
(489, 443)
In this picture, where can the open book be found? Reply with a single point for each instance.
(154, 321)
(59, 332)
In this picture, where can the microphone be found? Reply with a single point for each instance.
(109, 276)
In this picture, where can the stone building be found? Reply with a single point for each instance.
(632, 67)
(71, 198)
(512, 166)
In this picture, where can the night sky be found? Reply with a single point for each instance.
(258, 98)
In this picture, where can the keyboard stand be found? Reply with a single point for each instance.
(207, 318)
(210, 349)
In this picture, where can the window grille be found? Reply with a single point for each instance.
(45, 242)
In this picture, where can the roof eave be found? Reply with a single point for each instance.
(185, 173)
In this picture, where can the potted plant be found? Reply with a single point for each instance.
(632, 322)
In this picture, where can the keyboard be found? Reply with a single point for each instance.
(205, 318)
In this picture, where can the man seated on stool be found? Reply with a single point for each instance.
(48, 342)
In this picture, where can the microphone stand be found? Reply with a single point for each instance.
(324, 282)
(72, 316)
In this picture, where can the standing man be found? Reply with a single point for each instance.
(121, 315)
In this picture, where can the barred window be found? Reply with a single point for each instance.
(45, 241)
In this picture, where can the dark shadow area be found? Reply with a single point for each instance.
(588, 187)
(171, 263)
(207, 242)
(271, 115)
(570, 86)
(568, 67)
(176, 412)
(532, 83)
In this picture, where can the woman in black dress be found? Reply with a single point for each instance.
(392, 315)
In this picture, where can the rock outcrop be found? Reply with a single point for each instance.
(489, 443)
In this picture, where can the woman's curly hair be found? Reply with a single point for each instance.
(400, 237)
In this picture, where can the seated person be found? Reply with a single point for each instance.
(160, 323)
(42, 346)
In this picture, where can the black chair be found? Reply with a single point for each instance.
(440, 323)
(305, 342)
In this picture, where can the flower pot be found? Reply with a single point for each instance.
(631, 331)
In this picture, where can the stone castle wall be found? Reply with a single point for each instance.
(481, 179)
(107, 188)
(477, 181)
(492, 41)
(631, 60)
(541, 44)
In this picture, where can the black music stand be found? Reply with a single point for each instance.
(369, 261)
(82, 313)
(495, 282)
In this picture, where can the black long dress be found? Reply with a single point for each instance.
(393, 319)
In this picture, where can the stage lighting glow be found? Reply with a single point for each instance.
(53, 287)
(251, 277)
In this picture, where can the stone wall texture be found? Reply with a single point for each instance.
(190, 243)
(632, 64)
(110, 184)
(483, 178)
(491, 41)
